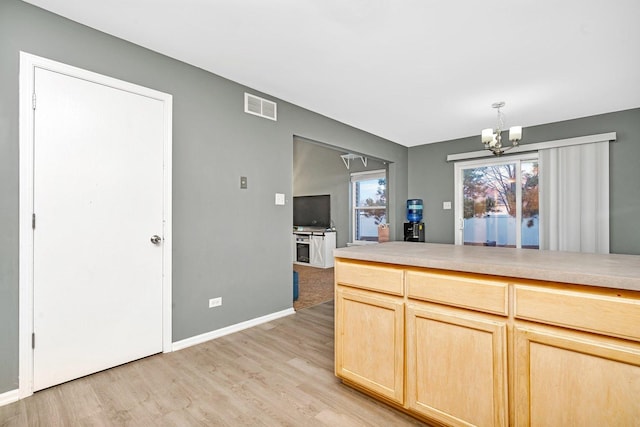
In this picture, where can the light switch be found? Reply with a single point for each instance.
(446, 205)
(279, 199)
(243, 182)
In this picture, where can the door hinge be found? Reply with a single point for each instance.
(33, 99)
(33, 340)
(33, 221)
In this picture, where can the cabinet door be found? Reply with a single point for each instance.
(456, 365)
(370, 341)
(567, 378)
(316, 251)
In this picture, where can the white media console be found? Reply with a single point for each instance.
(314, 248)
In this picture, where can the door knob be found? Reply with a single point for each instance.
(155, 239)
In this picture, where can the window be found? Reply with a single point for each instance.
(497, 202)
(369, 204)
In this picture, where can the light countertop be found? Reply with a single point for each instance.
(609, 271)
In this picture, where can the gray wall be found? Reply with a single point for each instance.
(218, 229)
(318, 169)
(431, 177)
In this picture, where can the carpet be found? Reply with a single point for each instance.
(315, 286)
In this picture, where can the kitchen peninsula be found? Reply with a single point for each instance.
(468, 335)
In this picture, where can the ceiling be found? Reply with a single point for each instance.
(411, 71)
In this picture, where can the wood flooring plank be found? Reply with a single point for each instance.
(276, 374)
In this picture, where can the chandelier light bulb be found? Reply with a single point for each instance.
(515, 133)
(487, 135)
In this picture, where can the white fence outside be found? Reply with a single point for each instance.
(499, 230)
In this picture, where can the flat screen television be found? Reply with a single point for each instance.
(312, 211)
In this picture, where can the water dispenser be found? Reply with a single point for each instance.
(414, 227)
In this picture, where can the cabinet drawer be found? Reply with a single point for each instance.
(460, 291)
(589, 311)
(367, 276)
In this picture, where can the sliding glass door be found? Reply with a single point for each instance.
(497, 202)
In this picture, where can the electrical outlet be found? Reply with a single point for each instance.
(446, 205)
(215, 302)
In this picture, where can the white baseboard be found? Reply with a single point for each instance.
(9, 397)
(199, 339)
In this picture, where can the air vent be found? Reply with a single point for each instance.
(260, 107)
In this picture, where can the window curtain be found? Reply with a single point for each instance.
(574, 198)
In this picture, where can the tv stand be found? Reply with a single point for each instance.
(314, 247)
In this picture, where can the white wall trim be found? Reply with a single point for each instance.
(361, 243)
(9, 397)
(199, 339)
(588, 139)
(28, 64)
(374, 173)
(25, 266)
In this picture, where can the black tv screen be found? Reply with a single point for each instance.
(312, 211)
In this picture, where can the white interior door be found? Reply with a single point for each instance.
(98, 200)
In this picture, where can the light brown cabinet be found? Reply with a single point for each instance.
(564, 377)
(464, 349)
(370, 341)
(456, 365)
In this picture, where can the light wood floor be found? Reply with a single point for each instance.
(276, 374)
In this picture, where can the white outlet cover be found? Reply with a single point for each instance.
(446, 205)
(215, 302)
(279, 199)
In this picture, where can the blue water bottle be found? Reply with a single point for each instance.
(414, 210)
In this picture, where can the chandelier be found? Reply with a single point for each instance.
(492, 138)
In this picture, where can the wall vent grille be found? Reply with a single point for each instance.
(260, 107)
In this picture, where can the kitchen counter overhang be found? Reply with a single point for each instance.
(604, 270)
